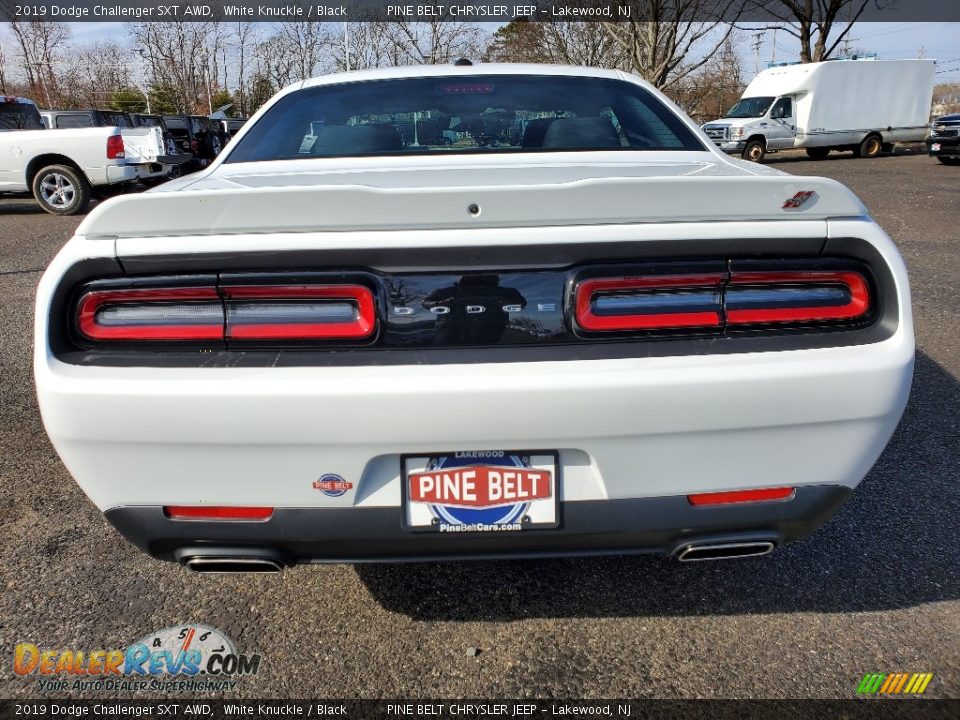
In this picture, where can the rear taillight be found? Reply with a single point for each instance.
(301, 312)
(335, 312)
(795, 297)
(115, 149)
(741, 496)
(165, 314)
(216, 512)
(656, 302)
(735, 300)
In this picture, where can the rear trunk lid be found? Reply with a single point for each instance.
(367, 195)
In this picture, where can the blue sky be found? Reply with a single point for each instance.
(891, 41)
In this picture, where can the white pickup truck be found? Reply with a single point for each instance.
(63, 167)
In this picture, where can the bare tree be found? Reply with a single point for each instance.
(303, 43)
(97, 70)
(3, 66)
(432, 43)
(369, 44)
(274, 62)
(813, 21)
(245, 36)
(706, 94)
(665, 41)
(183, 56)
(40, 44)
(567, 43)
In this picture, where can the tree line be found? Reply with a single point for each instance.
(198, 67)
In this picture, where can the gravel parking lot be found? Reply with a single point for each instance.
(876, 590)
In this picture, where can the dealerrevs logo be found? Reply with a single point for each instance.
(180, 658)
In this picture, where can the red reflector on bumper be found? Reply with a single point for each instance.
(741, 496)
(214, 512)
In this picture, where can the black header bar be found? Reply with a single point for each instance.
(483, 11)
(192, 707)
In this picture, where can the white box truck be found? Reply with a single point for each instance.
(860, 105)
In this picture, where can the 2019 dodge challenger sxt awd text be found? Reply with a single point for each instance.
(449, 312)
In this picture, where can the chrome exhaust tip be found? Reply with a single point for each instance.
(725, 551)
(231, 565)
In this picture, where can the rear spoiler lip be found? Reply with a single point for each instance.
(356, 207)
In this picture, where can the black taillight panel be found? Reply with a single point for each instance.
(584, 310)
(765, 296)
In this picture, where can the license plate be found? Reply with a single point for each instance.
(935, 147)
(480, 491)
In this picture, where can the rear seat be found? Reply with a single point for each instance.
(585, 133)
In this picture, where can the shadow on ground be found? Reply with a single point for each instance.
(792, 156)
(893, 545)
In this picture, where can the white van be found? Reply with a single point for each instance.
(859, 105)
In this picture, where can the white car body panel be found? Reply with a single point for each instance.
(176, 429)
(628, 428)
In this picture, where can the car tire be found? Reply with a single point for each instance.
(818, 153)
(216, 145)
(949, 160)
(61, 190)
(869, 148)
(755, 151)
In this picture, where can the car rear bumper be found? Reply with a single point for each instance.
(629, 433)
(626, 526)
(123, 173)
(622, 428)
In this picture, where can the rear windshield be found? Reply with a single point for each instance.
(115, 118)
(72, 120)
(19, 116)
(174, 122)
(479, 114)
(147, 121)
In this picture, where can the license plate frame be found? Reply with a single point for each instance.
(540, 514)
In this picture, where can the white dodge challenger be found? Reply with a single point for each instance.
(472, 311)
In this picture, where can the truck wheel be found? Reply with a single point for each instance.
(869, 148)
(61, 190)
(949, 160)
(818, 153)
(755, 151)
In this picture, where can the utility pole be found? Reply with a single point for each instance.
(142, 52)
(773, 52)
(206, 81)
(757, 43)
(346, 45)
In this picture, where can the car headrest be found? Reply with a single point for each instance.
(586, 132)
(356, 139)
(534, 131)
